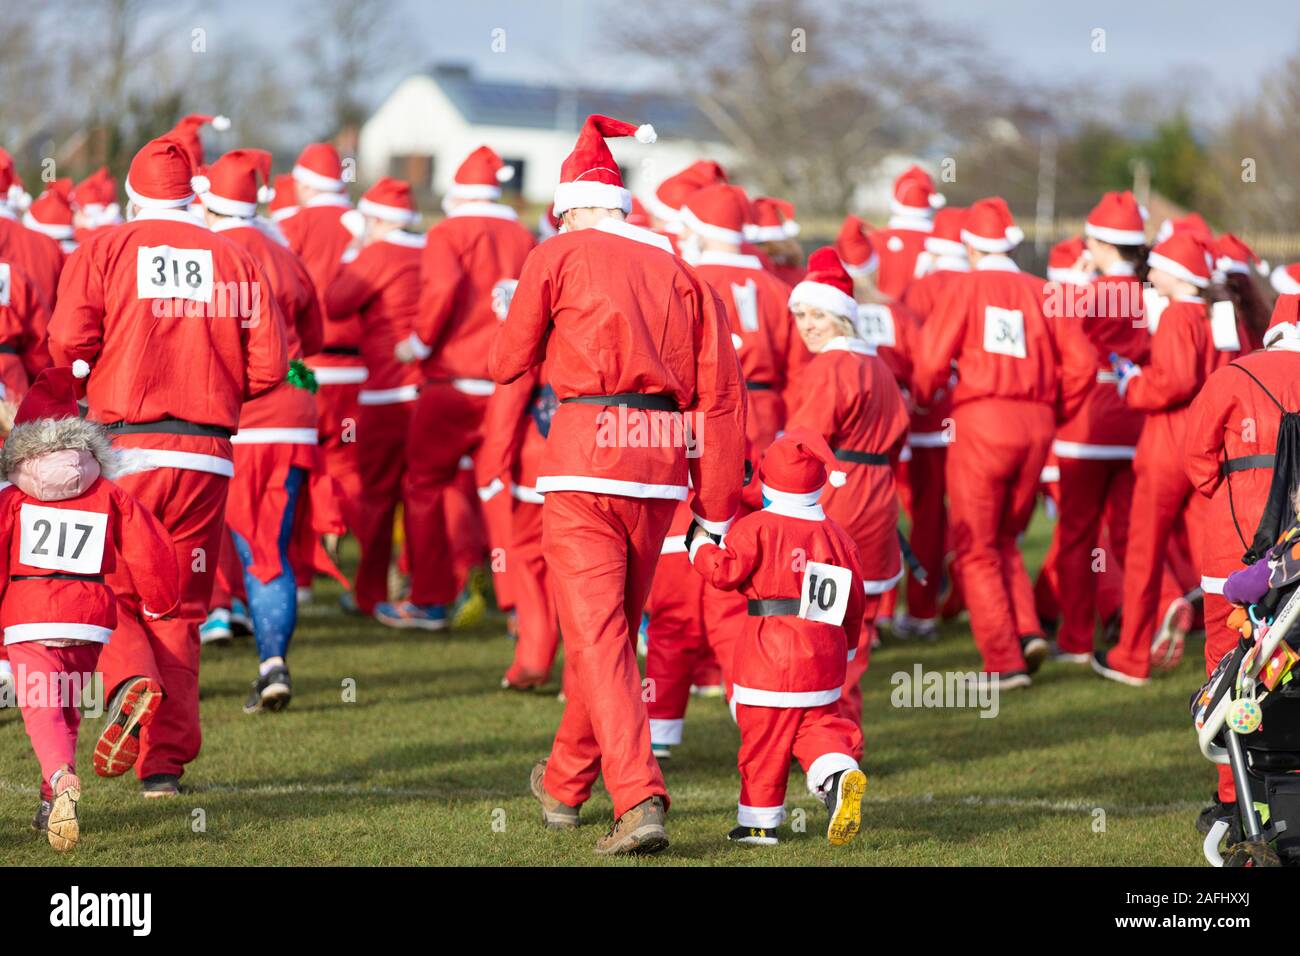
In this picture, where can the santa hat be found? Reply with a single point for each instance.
(95, 197)
(51, 212)
(797, 464)
(718, 212)
(1186, 256)
(855, 249)
(1118, 220)
(589, 177)
(773, 221)
(826, 286)
(945, 235)
(320, 167)
(1234, 256)
(1062, 260)
(639, 216)
(1285, 323)
(162, 176)
(1192, 223)
(480, 176)
(390, 200)
(12, 193)
(186, 132)
(52, 396)
(283, 197)
(666, 201)
(914, 194)
(237, 182)
(990, 227)
(1285, 280)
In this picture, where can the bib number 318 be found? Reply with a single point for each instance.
(162, 272)
(62, 539)
(825, 595)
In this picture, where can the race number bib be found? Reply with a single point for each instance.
(825, 595)
(1223, 327)
(503, 293)
(162, 272)
(4, 285)
(746, 299)
(62, 539)
(876, 325)
(1004, 331)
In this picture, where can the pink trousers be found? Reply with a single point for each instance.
(44, 677)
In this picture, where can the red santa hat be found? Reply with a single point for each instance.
(945, 234)
(914, 194)
(391, 200)
(666, 201)
(719, 212)
(826, 286)
(797, 464)
(589, 177)
(1118, 220)
(1285, 280)
(1062, 262)
(284, 198)
(1234, 256)
(854, 248)
(480, 176)
(1192, 223)
(1284, 327)
(320, 167)
(52, 395)
(773, 220)
(12, 193)
(237, 182)
(639, 216)
(162, 176)
(96, 195)
(51, 212)
(990, 227)
(186, 132)
(1186, 256)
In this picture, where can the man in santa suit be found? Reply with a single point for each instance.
(1020, 371)
(36, 254)
(319, 237)
(773, 233)
(665, 204)
(631, 337)
(902, 241)
(275, 446)
(165, 286)
(94, 205)
(51, 214)
(382, 285)
(471, 263)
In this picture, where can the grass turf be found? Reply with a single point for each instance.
(429, 765)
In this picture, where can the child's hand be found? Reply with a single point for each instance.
(1125, 370)
(696, 529)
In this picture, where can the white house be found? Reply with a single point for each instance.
(433, 120)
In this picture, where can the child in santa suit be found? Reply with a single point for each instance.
(63, 526)
(799, 570)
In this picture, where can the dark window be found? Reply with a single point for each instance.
(515, 184)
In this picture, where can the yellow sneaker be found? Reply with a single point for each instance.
(844, 801)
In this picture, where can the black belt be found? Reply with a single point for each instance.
(59, 576)
(8, 350)
(773, 607)
(656, 403)
(168, 426)
(1246, 463)
(861, 457)
(759, 386)
(340, 350)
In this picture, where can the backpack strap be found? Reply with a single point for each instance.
(1242, 368)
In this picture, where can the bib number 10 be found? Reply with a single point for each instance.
(825, 594)
(162, 272)
(62, 539)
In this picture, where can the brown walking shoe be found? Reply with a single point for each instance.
(640, 830)
(556, 815)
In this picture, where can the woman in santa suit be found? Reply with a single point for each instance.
(851, 399)
(1188, 345)
(1239, 265)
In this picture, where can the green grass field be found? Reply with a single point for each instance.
(429, 765)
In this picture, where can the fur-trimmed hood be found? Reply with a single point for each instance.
(42, 435)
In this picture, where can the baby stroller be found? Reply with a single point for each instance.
(1247, 715)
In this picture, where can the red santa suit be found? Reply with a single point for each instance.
(36, 254)
(1186, 348)
(804, 624)
(664, 205)
(23, 321)
(94, 204)
(774, 227)
(382, 286)
(627, 329)
(51, 214)
(1017, 367)
(1232, 436)
(317, 234)
(172, 416)
(472, 261)
(851, 400)
(901, 243)
(676, 642)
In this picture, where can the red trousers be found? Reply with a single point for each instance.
(1219, 640)
(676, 645)
(444, 427)
(993, 472)
(228, 582)
(190, 505)
(530, 577)
(337, 426)
(820, 738)
(929, 538)
(602, 551)
(850, 702)
(52, 720)
(490, 539)
(381, 451)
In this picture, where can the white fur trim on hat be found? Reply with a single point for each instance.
(900, 209)
(1177, 270)
(591, 195)
(53, 231)
(387, 213)
(309, 177)
(1116, 237)
(354, 221)
(474, 190)
(824, 297)
(766, 233)
(709, 231)
(228, 207)
(804, 499)
(1283, 283)
(944, 247)
(864, 270)
(1014, 235)
(148, 202)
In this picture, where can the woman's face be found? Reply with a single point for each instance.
(817, 327)
(1170, 286)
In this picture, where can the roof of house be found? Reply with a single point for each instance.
(534, 106)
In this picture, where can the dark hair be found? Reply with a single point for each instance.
(1249, 304)
(1136, 256)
